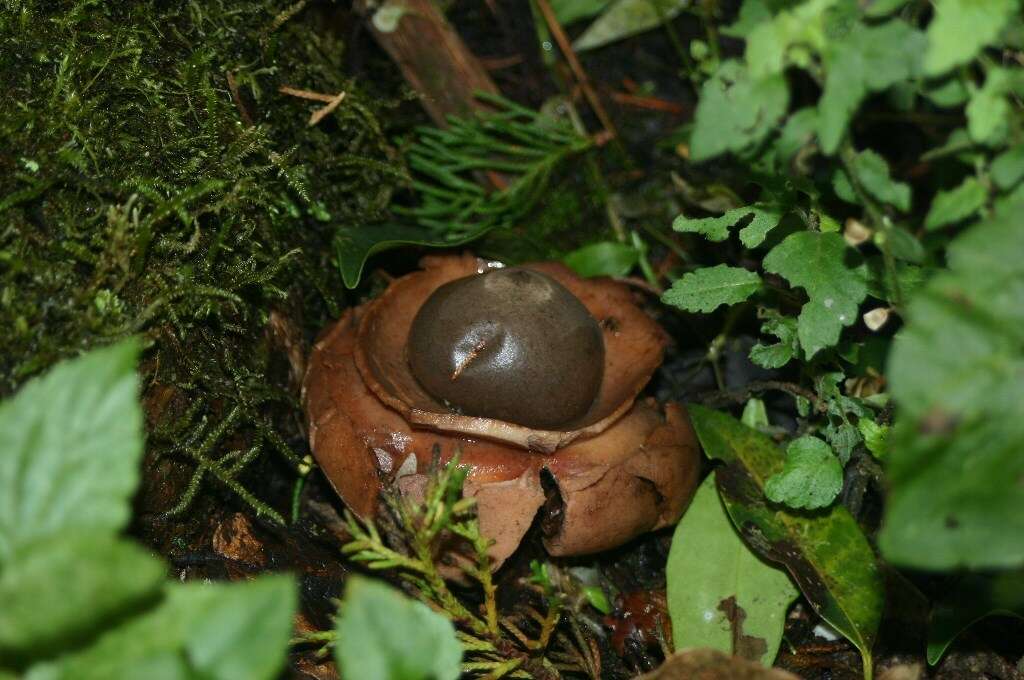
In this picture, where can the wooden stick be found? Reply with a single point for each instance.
(433, 59)
(558, 33)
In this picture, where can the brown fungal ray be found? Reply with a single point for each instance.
(637, 476)
(633, 349)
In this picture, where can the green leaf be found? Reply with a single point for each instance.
(1008, 168)
(625, 18)
(949, 93)
(811, 478)
(957, 373)
(67, 587)
(826, 553)
(961, 28)
(354, 245)
(606, 258)
(720, 594)
(867, 59)
(383, 635)
(881, 8)
(70, 445)
(569, 11)
(736, 110)
(872, 172)
(781, 353)
(876, 437)
(791, 36)
(989, 111)
(818, 263)
(973, 598)
(222, 632)
(799, 131)
(908, 277)
(955, 205)
(755, 414)
(763, 218)
(705, 289)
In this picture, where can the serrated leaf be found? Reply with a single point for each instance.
(867, 59)
(354, 245)
(763, 218)
(625, 18)
(606, 258)
(818, 263)
(736, 110)
(872, 172)
(706, 289)
(961, 28)
(957, 374)
(811, 478)
(64, 589)
(826, 553)
(741, 602)
(973, 598)
(70, 446)
(384, 635)
(217, 631)
(950, 207)
(1008, 167)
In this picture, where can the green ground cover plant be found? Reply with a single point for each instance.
(845, 198)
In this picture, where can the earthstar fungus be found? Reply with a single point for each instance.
(619, 468)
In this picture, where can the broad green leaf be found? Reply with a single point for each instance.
(811, 477)
(957, 374)
(1008, 168)
(606, 258)
(216, 631)
(825, 552)
(974, 597)
(62, 590)
(950, 207)
(961, 28)
(791, 36)
(872, 172)
(833, 277)
(354, 245)
(989, 111)
(763, 218)
(780, 353)
(867, 59)
(720, 594)
(383, 635)
(70, 446)
(569, 11)
(705, 289)
(625, 18)
(736, 110)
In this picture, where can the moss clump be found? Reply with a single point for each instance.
(154, 181)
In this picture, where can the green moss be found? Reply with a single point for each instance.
(139, 196)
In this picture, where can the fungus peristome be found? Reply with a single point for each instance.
(626, 467)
